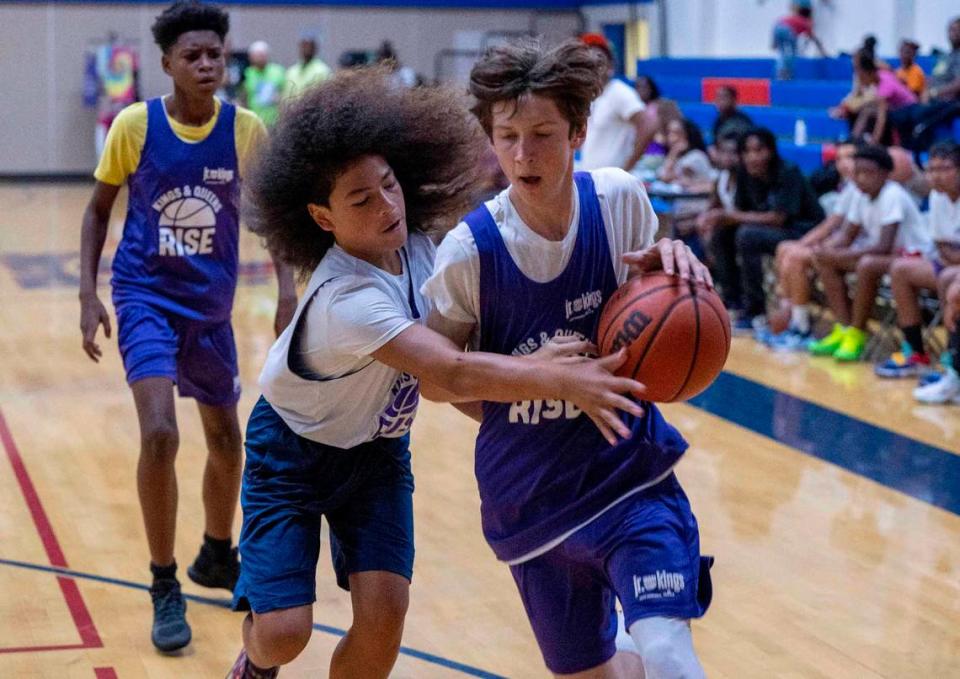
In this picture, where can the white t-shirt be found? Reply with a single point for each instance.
(628, 219)
(610, 134)
(319, 375)
(893, 205)
(845, 200)
(726, 189)
(944, 218)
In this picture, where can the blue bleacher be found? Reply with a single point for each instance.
(782, 121)
(831, 68)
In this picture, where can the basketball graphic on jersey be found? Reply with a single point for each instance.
(397, 418)
(189, 211)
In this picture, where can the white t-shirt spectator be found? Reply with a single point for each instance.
(610, 134)
(893, 205)
(628, 219)
(726, 188)
(944, 218)
(319, 375)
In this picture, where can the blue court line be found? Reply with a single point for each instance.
(225, 603)
(922, 471)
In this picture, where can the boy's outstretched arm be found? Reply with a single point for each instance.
(93, 234)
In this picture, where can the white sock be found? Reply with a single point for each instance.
(800, 318)
(666, 646)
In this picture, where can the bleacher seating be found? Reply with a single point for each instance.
(818, 84)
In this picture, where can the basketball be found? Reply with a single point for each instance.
(188, 212)
(677, 335)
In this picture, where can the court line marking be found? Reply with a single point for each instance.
(65, 573)
(895, 461)
(89, 637)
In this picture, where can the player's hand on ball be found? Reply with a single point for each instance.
(565, 349)
(671, 257)
(92, 315)
(599, 393)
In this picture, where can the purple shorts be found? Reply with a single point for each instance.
(200, 357)
(645, 551)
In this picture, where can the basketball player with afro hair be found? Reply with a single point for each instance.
(182, 157)
(580, 522)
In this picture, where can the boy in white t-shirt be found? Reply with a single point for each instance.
(891, 226)
(354, 165)
(794, 261)
(616, 119)
(910, 275)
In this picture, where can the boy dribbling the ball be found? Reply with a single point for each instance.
(580, 522)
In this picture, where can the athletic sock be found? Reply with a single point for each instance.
(164, 572)
(219, 548)
(800, 318)
(914, 336)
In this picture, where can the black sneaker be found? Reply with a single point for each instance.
(209, 570)
(170, 629)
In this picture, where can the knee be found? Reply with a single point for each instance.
(159, 440)
(384, 615)
(226, 444)
(281, 636)
(870, 266)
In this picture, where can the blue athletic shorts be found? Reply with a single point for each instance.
(645, 551)
(289, 482)
(199, 357)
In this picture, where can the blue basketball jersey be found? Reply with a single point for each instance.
(542, 467)
(179, 248)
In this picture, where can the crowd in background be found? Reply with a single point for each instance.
(882, 218)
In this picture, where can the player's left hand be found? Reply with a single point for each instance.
(286, 308)
(671, 257)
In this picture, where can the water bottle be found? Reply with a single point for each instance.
(800, 132)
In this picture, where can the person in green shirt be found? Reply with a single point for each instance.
(263, 83)
(310, 70)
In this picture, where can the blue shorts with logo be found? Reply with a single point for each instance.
(199, 356)
(289, 483)
(644, 551)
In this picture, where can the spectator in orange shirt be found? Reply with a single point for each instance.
(910, 73)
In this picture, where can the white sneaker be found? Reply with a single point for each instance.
(944, 390)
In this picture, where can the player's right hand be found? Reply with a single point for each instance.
(600, 394)
(92, 315)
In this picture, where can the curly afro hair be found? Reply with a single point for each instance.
(426, 135)
(188, 15)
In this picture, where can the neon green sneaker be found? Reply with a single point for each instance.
(852, 346)
(829, 344)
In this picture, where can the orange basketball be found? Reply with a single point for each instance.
(677, 335)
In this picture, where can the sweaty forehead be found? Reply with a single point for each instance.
(528, 109)
(198, 40)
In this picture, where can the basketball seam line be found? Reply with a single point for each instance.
(656, 331)
(696, 348)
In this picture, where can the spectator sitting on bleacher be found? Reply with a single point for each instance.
(891, 222)
(910, 73)
(774, 202)
(941, 102)
(616, 118)
(729, 117)
(889, 94)
(686, 162)
(910, 275)
(786, 35)
(947, 388)
(656, 117)
(794, 261)
(724, 189)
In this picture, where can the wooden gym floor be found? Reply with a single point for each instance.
(829, 498)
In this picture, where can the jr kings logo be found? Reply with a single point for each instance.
(188, 221)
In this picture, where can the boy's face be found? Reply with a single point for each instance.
(532, 141)
(366, 212)
(727, 156)
(196, 62)
(869, 176)
(907, 54)
(724, 101)
(944, 175)
(845, 165)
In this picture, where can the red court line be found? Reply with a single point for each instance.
(105, 672)
(71, 593)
